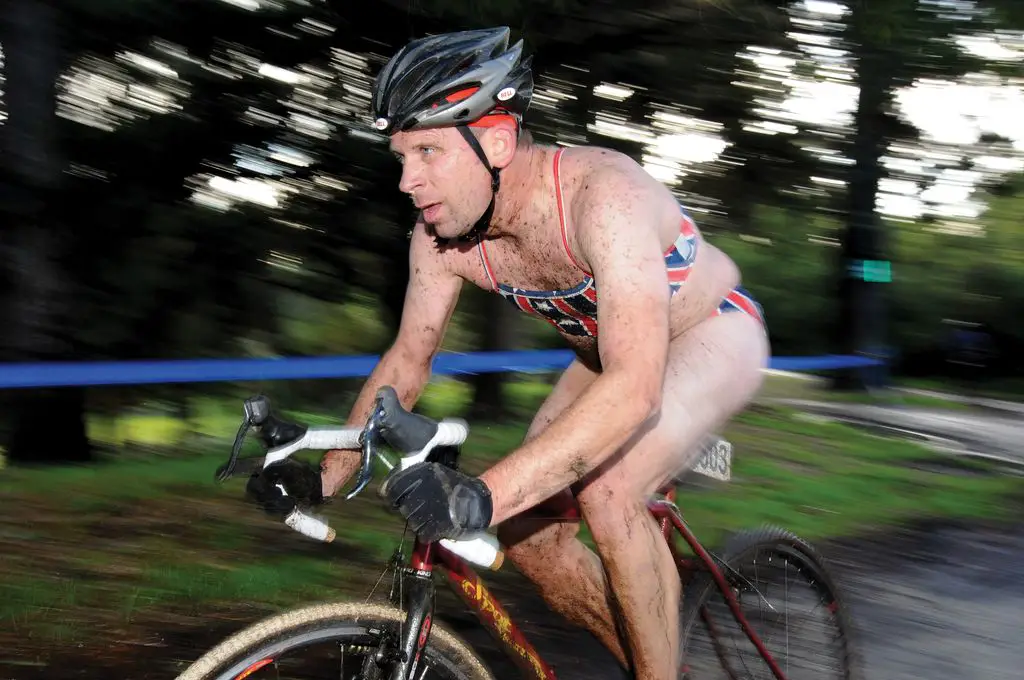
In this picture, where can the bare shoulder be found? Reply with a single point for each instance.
(420, 239)
(608, 169)
(425, 257)
(428, 256)
(612, 193)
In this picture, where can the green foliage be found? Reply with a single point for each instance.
(350, 254)
(937, 275)
(312, 327)
(789, 271)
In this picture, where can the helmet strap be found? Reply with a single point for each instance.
(485, 220)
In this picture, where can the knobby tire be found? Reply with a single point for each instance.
(292, 629)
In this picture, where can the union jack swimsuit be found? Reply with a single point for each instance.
(573, 311)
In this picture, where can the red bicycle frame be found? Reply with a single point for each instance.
(468, 586)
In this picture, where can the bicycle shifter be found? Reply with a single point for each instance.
(370, 440)
(257, 409)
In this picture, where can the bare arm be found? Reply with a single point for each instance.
(617, 217)
(430, 299)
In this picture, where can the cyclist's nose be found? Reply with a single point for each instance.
(411, 180)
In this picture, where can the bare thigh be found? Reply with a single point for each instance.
(713, 372)
(573, 381)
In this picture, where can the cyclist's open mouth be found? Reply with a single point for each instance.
(431, 212)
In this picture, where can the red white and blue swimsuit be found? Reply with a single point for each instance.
(573, 311)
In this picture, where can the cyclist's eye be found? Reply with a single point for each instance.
(427, 150)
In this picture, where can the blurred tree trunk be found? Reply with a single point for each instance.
(47, 425)
(495, 325)
(396, 261)
(861, 311)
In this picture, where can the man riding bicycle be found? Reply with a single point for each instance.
(586, 239)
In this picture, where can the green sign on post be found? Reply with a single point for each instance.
(877, 271)
(872, 271)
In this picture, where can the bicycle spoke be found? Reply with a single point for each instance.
(789, 608)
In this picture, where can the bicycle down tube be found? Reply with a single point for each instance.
(468, 586)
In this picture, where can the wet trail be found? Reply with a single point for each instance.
(947, 603)
(931, 602)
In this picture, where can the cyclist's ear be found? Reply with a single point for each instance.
(499, 142)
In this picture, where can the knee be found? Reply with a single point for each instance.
(608, 507)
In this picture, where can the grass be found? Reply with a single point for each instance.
(97, 552)
(828, 480)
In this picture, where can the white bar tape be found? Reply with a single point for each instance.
(450, 433)
(325, 438)
(482, 549)
(310, 526)
(317, 438)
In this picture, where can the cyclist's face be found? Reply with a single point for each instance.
(444, 177)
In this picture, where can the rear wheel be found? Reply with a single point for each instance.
(342, 640)
(787, 597)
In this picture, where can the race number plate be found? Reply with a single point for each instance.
(716, 461)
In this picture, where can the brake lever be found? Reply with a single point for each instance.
(225, 471)
(256, 410)
(370, 438)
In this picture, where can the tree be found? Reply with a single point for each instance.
(37, 292)
(892, 45)
(99, 200)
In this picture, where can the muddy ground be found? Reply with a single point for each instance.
(938, 601)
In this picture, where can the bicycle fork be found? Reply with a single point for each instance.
(416, 598)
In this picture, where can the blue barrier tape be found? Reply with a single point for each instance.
(65, 374)
(828, 362)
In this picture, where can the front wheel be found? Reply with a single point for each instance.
(340, 640)
(790, 601)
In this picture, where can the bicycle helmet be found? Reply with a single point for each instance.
(452, 79)
(460, 79)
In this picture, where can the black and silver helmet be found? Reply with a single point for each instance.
(415, 88)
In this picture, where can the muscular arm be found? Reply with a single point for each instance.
(617, 215)
(430, 299)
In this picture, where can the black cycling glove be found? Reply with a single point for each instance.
(439, 502)
(279, 487)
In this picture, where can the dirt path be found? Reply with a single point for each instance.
(946, 603)
(996, 435)
(932, 602)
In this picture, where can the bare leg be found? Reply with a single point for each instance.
(713, 372)
(568, 575)
(544, 536)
